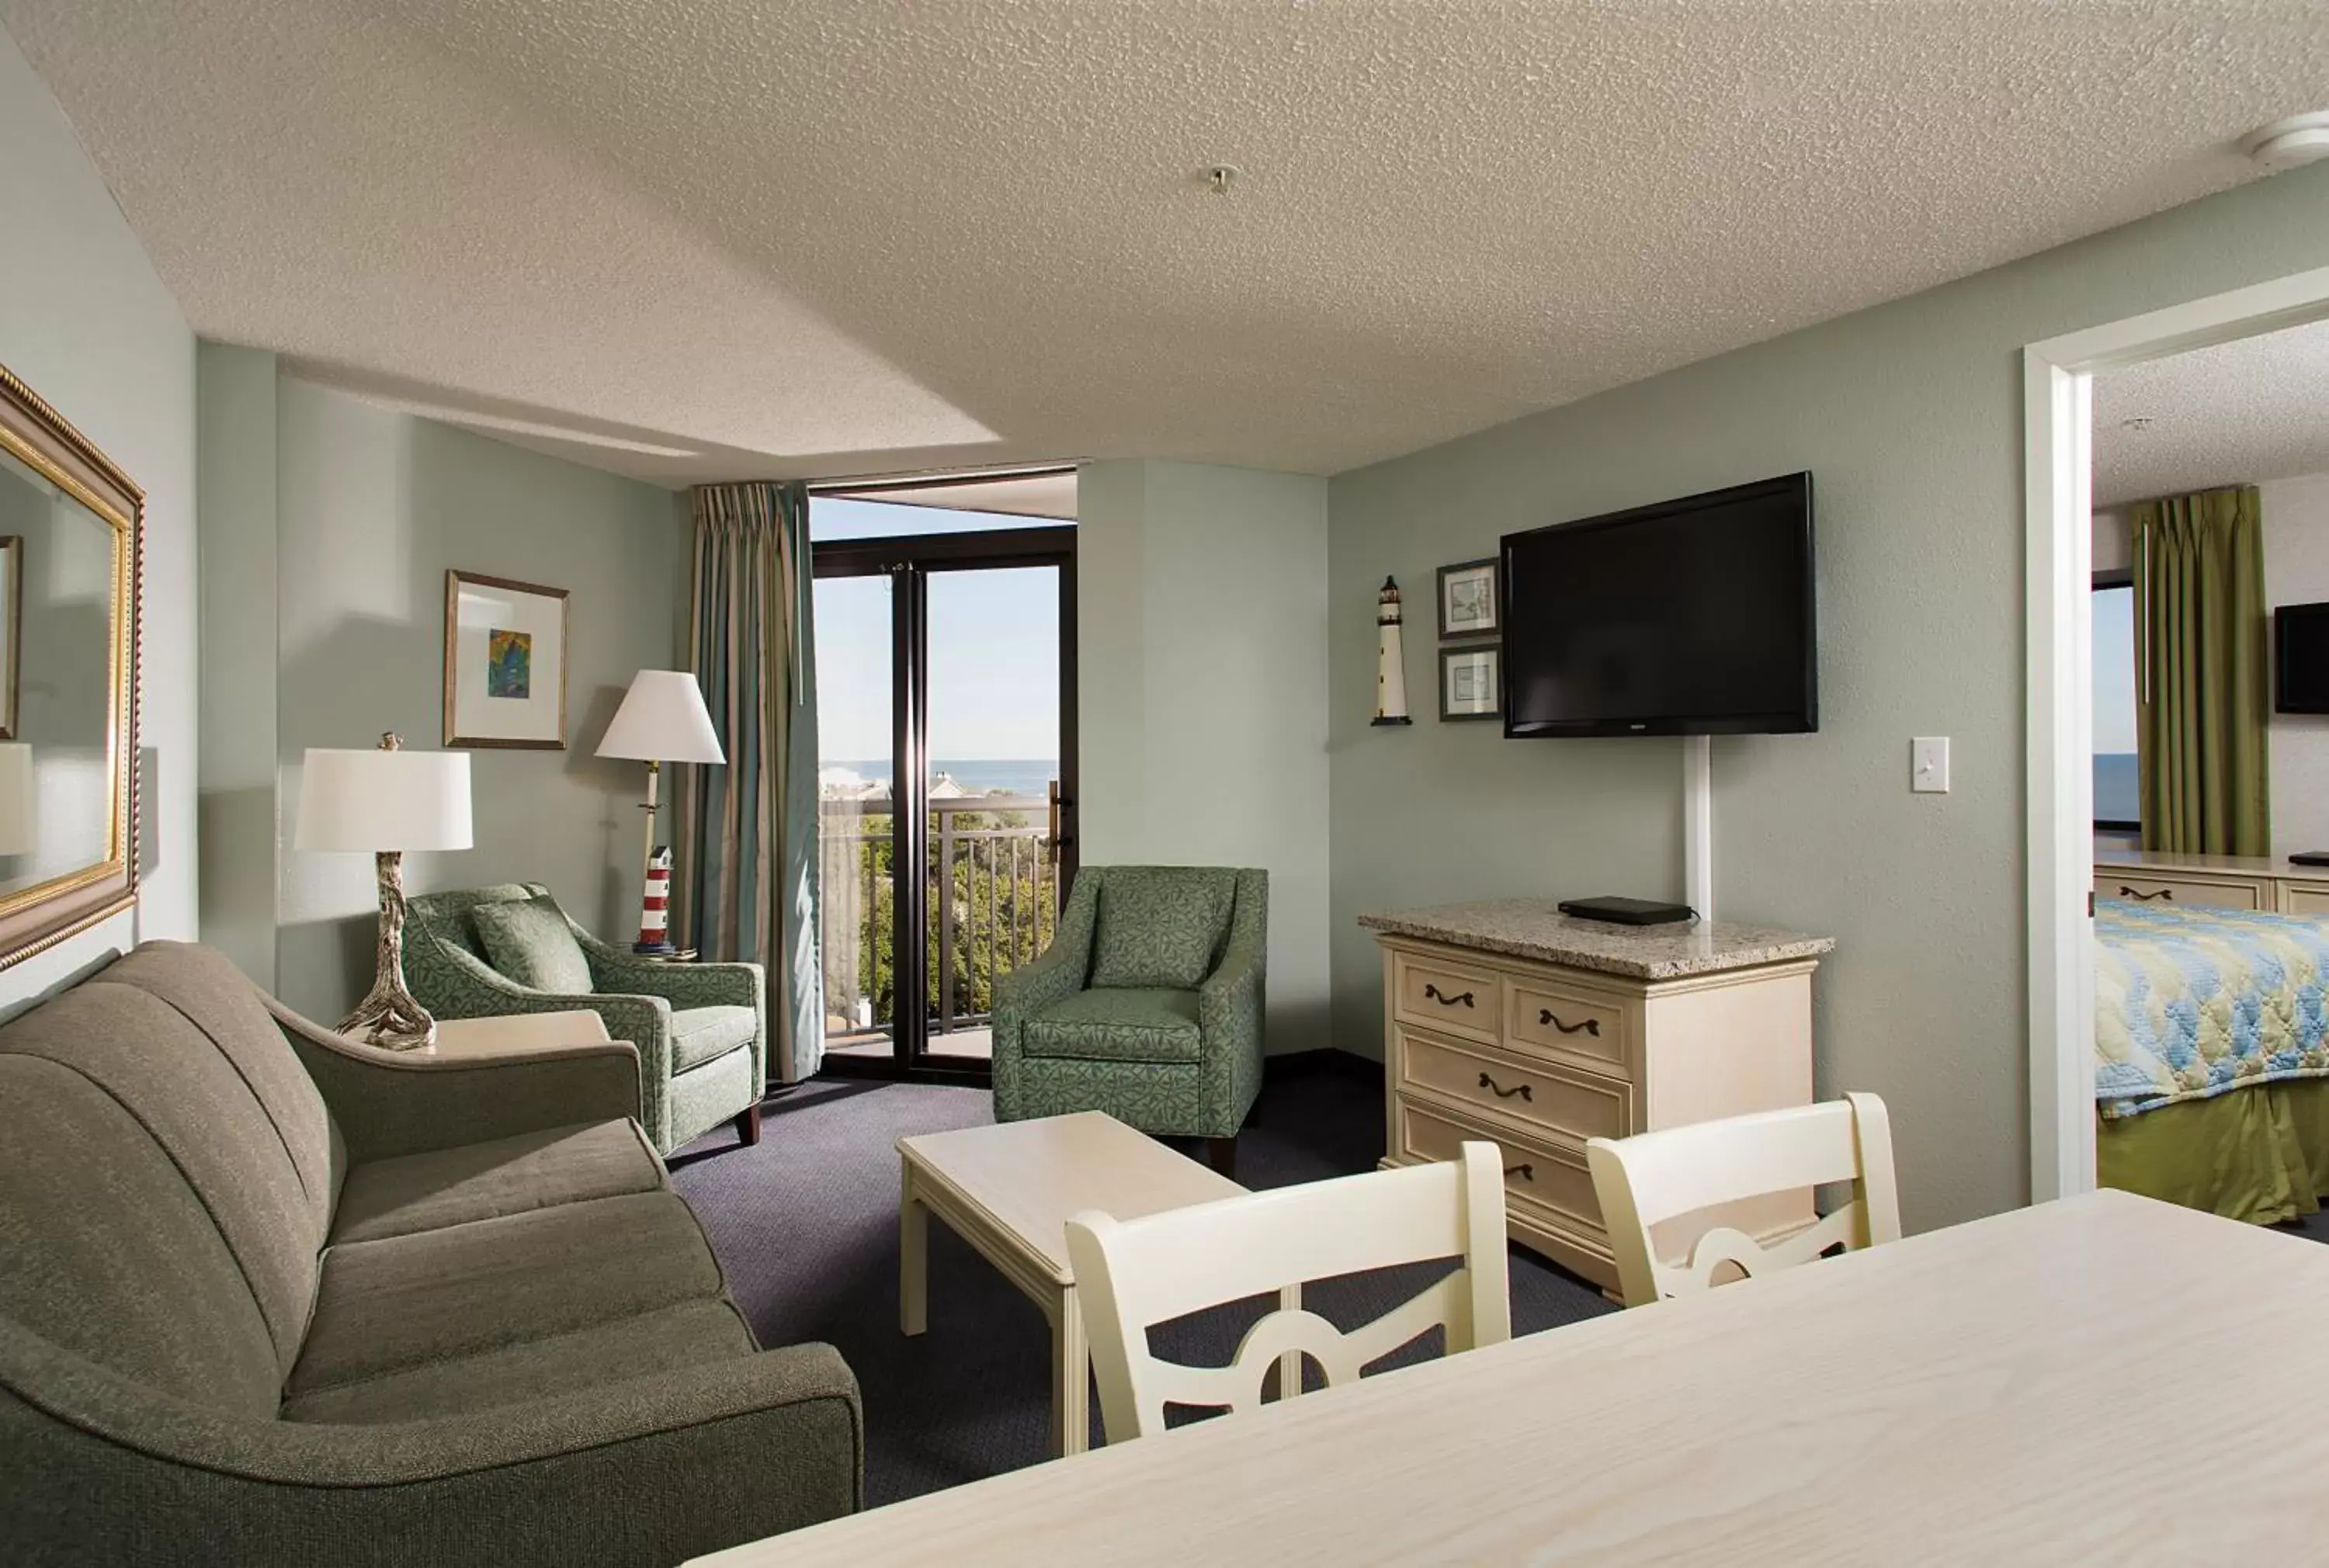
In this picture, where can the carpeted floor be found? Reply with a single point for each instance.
(806, 1225)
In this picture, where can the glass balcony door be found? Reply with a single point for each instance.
(958, 650)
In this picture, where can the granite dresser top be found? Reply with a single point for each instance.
(1536, 928)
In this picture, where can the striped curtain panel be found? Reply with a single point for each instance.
(2205, 698)
(747, 839)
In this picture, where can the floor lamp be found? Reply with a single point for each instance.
(386, 800)
(663, 719)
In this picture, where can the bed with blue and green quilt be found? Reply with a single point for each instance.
(2212, 1058)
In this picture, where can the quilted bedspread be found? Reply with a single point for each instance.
(2192, 1002)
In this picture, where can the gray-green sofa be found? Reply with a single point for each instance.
(1148, 1005)
(270, 1297)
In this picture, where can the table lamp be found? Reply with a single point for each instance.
(662, 719)
(386, 800)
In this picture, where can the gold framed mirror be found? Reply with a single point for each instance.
(71, 528)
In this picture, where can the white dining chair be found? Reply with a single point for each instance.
(1647, 1181)
(1130, 1275)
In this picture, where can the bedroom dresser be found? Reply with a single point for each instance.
(2213, 881)
(1510, 1021)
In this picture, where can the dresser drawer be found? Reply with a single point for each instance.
(1537, 1177)
(1446, 997)
(1576, 1104)
(1557, 1019)
(2144, 887)
(2306, 898)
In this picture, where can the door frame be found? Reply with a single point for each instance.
(908, 559)
(2057, 449)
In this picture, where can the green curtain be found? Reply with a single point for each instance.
(748, 831)
(2202, 698)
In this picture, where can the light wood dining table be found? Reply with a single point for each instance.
(2101, 1379)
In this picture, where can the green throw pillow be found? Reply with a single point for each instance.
(1161, 925)
(531, 943)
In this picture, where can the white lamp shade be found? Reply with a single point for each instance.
(15, 798)
(384, 800)
(663, 719)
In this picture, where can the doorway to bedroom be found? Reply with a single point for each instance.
(2178, 511)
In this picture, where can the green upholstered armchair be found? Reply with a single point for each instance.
(701, 1028)
(1147, 1005)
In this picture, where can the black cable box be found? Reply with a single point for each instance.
(1627, 911)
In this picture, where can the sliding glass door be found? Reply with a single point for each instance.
(946, 698)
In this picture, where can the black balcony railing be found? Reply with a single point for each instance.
(991, 889)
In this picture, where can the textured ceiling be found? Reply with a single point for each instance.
(733, 238)
(2237, 414)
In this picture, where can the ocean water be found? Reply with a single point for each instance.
(979, 776)
(2118, 789)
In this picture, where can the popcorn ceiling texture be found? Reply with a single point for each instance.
(836, 237)
(2240, 413)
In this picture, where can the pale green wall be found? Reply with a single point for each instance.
(1910, 416)
(235, 427)
(371, 507)
(1200, 620)
(86, 323)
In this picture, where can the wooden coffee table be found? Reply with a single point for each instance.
(1008, 1191)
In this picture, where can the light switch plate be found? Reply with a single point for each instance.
(1929, 765)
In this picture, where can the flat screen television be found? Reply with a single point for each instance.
(1689, 617)
(2300, 658)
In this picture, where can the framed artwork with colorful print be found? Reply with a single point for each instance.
(504, 663)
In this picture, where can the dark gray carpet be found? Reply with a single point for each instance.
(806, 1225)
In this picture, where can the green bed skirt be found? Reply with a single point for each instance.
(2260, 1155)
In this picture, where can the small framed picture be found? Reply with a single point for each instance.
(504, 663)
(1467, 599)
(1471, 682)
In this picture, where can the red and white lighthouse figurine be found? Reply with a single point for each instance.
(655, 910)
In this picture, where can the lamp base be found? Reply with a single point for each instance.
(390, 1015)
(654, 949)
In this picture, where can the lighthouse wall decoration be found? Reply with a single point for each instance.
(1391, 659)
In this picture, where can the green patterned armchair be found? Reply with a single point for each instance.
(1147, 1005)
(701, 1028)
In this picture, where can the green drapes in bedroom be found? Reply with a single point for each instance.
(2203, 693)
(748, 831)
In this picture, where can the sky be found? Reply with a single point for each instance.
(2114, 623)
(993, 638)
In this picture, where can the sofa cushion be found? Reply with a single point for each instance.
(1151, 1024)
(448, 1187)
(665, 1340)
(192, 1099)
(110, 1253)
(394, 1304)
(219, 1000)
(529, 942)
(705, 1034)
(1161, 925)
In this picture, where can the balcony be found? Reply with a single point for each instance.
(991, 888)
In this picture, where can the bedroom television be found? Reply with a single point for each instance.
(2300, 648)
(1693, 617)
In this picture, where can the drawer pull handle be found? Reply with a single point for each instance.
(2126, 892)
(1523, 1090)
(1462, 999)
(1525, 1170)
(1590, 1026)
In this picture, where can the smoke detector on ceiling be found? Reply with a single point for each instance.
(2287, 144)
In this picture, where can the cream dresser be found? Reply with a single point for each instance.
(1510, 1021)
(2213, 881)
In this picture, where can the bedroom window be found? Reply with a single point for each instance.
(2118, 793)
